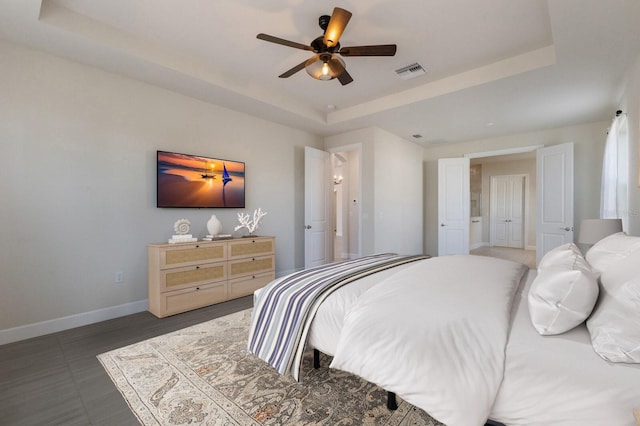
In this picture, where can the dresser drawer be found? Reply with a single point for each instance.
(249, 247)
(174, 302)
(188, 276)
(192, 254)
(251, 266)
(247, 285)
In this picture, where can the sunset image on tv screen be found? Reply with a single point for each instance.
(195, 181)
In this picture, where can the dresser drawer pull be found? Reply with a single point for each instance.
(197, 246)
(253, 277)
(253, 258)
(197, 288)
(197, 267)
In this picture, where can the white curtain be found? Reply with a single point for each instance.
(615, 174)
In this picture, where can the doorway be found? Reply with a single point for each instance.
(552, 205)
(346, 192)
(506, 192)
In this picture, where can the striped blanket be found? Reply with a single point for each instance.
(283, 313)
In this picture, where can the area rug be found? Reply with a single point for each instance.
(203, 375)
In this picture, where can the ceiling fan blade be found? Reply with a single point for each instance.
(339, 70)
(376, 50)
(345, 78)
(277, 40)
(339, 20)
(293, 70)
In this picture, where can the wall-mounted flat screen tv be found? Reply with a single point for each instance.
(195, 181)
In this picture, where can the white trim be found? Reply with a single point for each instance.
(506, 151)
(28, 331)
(478, 245)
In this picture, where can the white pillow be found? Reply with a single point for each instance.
(563, 293)
(615, 323)
(560, 256)
(611, 249)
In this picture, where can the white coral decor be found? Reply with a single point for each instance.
(181, 226)
(251, 224)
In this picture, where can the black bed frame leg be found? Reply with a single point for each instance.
(392, 404)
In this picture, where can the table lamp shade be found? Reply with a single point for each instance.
(593, 230)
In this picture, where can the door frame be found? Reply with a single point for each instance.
(508, 151)
(357, 199)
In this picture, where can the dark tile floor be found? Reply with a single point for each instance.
(57, 380)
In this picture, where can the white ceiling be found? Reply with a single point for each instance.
(495, 67)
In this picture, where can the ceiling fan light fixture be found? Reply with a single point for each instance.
(325, 73)
(318, 66)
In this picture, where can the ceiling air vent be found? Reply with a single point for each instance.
(410, 71)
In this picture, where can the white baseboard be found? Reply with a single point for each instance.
(28, 331)
(478, 245)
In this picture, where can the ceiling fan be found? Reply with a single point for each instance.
(325, 64)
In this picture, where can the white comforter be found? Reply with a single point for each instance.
(435, 334)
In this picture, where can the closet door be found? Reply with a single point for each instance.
(507, 211)
(500, 199)
(516, 212)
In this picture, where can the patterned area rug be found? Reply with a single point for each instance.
(204, 375)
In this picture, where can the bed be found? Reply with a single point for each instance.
(512, 375)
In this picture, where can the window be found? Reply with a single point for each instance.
(614, 201)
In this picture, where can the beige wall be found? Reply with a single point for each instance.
(391, 198)
(398, 195)
(78, 185)
(589, 144)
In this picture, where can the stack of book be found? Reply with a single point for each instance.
(183, 238)
(217, 237)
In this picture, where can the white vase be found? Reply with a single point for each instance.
(214, 225)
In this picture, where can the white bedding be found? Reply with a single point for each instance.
(560, 380)
(435, 334)
(548, 380)
(329, 320)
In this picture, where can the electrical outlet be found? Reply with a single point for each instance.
(119, 277)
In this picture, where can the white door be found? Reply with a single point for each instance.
(516, 212)
(499, 212)
(453, 206)
(554, 197)
(318, 208)
(507, 211)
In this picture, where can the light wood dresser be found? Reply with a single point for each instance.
(188, 276)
